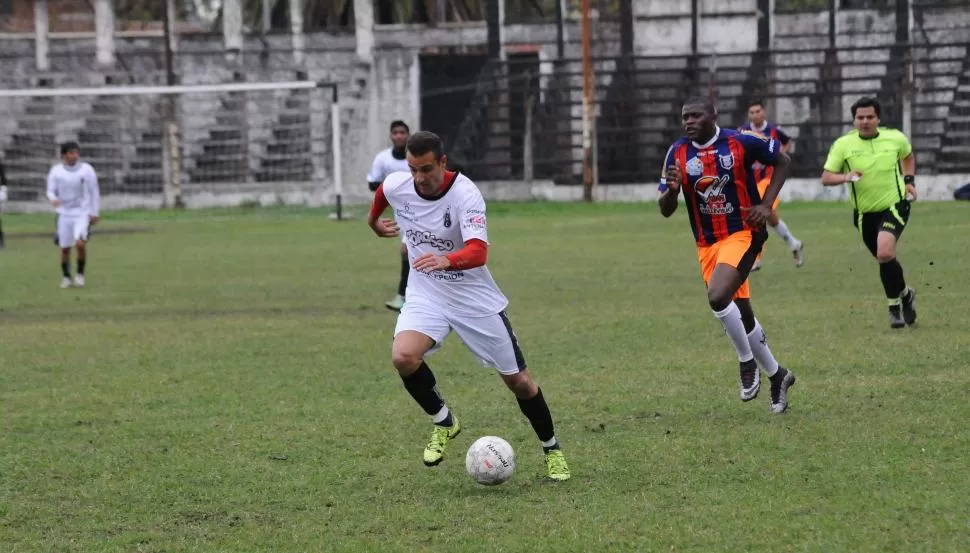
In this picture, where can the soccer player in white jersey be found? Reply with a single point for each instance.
(386, 162)
(72, 188)
(441, 215)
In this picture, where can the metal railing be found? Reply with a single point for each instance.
(925, 91)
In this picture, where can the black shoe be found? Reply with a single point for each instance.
(908, 298)
(749, 380)
(896, 317)
(780, 383)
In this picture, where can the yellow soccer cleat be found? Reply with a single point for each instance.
(556, 467)
(434, 452)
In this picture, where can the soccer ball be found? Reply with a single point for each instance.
(490, 461)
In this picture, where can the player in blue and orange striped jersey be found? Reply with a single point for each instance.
(713, 167)
(762, 174)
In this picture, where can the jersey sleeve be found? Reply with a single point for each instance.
(669, 160)
(51, 185)
(473, 222)
(782, 136)
(376, 173)
(835, 161)
(905, 148)
(93, 192)
(759, 147)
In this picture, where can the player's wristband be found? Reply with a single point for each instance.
(910, 180)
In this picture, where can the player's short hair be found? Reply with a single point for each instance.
(867, 102)
(756, 102)
(398, 123)
(709, 106)
(423, 142)
(70, 147)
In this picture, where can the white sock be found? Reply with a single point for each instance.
(782, 229)
(730, 319)
(441, 415)
(550, 443)
(759, 347)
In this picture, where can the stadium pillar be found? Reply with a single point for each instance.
(232, 28)
(903, 18)
(41, 28)
(766, 18)
(364, 29)
(695, 16)
(833, 21)
(296, 30)
(588, 116)
(626, 28)
(104, 32)
(560, 30)
(494, 27)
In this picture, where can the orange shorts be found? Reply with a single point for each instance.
(738, 250)
(762, 186)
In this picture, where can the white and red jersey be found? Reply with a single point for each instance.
(442, 225)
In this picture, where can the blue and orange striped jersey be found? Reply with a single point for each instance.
(717, 180)
(770, 130)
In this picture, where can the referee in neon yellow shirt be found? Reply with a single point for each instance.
(868, 159)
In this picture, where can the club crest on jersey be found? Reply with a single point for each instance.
(447, 220)
(709, 187)
(695, 167)
(727, 162)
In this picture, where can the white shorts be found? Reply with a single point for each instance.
(71, 228)
(490, 338)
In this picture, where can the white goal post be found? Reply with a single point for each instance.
(167, 146)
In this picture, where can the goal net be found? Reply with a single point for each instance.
(197, 145)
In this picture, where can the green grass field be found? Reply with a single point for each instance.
(224, 384)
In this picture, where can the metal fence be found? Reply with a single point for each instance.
(525, 120)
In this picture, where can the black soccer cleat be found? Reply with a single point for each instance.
(749, 380)
(908, 298)
(780, 383)
(896, 317)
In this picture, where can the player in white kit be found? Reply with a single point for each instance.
(441, 215)
(386, 162)
(72, 188)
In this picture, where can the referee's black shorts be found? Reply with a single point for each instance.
(891, 220)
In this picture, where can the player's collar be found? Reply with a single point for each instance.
(450, 177)
(398, 154)
(763, 128)
(717, 134)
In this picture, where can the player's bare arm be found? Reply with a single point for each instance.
(430, 262)
(382, 227)
(473, 254)
(668, 200)
(838, 179)
(909, 176)
(761, 212)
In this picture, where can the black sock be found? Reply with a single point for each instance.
(402, 284)
(891, 274)
(66, 269)
(421, 385)
(536, 410)
(80, 266)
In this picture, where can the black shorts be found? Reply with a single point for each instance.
(891, 220)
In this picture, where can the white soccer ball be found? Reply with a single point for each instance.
(490, 461)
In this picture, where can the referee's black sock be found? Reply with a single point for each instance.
(891, 273)
(421, 385)
(537, 411)
(402, 285)
(66, 269)
(80, 266)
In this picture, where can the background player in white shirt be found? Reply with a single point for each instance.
(441, 215)
(72, 188)
(386, 162)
